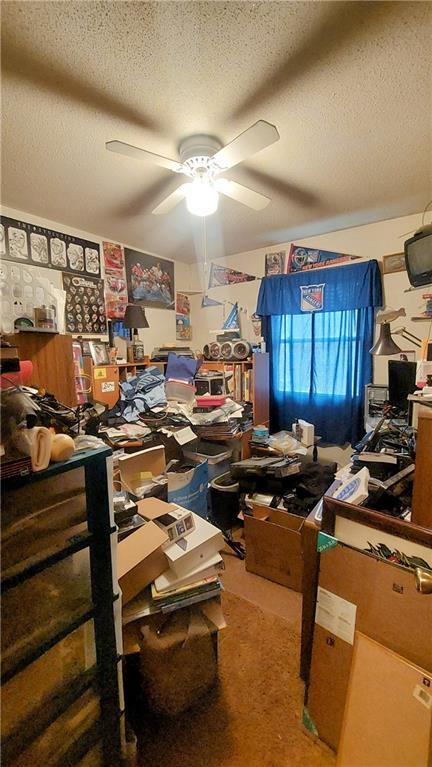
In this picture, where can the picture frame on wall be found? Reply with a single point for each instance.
(395, 262)
(150, 280)
(99, 352)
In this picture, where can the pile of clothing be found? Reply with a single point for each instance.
(139, 394)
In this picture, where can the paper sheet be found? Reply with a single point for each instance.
(183, 436)
(336, 615)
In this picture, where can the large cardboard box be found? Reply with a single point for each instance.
(140, 559)
(274, 547)
(386, 607)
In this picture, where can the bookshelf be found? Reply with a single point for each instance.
(250, 382)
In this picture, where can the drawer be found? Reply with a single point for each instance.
(37, 609)
(49, 676)
(52, 746)
(41, 516)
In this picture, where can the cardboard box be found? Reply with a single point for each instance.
(202, 543)
(150, 461)
(175, 521)
(389, 610)
(140, 559)
(274, 547)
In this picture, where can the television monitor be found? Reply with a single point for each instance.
(418, 257)
(402, 381)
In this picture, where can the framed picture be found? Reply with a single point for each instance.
(150, 280)
(395, 262)
(99, 352)
(275, 263)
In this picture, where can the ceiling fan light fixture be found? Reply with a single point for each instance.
(201, 197)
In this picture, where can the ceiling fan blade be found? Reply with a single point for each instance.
(171, 201)
(257, 137)
(242, 194)
(120, 147)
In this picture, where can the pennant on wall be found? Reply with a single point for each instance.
(207, 301)
(222, 275)
(232, 322)
(301, 259)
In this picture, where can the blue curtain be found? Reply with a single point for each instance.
(319, 357)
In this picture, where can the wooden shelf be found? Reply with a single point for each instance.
(36, 330)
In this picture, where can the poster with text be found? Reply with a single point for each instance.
(150, 280)
(116, 296)
(85, 305)
(38, 246)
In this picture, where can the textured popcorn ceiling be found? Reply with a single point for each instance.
(348, 86)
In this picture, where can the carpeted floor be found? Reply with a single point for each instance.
(253, 716)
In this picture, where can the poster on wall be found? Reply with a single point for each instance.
(275, 263)
(301, 259)
(150, 280)
(183, 320)
(22, 290)
(116, 296)
(85, 305)
(222, 275)
(38, 246)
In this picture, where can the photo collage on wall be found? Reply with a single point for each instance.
(183, 319)
(38, 246)
(116, 296)
(85, 305)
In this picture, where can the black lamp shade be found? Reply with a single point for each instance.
(385, 343)
(135, 317)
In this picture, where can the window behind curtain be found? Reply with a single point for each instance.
(320, 365)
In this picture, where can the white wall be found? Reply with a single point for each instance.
(162, 321)
(369, 241)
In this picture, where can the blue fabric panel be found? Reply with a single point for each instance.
(352, 286)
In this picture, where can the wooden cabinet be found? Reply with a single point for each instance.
(422, 493)
(52, 358)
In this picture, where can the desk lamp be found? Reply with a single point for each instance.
(135, 318)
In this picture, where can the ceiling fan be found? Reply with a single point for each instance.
(202, 160)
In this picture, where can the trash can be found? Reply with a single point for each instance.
(224, 501)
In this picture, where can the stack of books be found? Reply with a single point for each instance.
(194, 567)
(170, 592)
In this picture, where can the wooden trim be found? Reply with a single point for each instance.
(375, 519)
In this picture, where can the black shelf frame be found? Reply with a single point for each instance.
(98, 541)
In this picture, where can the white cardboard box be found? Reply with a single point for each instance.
(169, 580)
(201, 544)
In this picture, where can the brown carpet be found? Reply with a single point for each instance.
(253, 716)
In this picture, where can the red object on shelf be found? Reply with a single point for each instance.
(17, 378)
(212, 401)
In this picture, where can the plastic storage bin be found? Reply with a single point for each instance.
(50, 675)
(217, 456)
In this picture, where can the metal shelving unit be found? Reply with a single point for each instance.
(56, 583)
